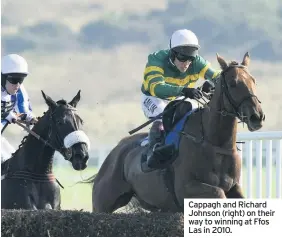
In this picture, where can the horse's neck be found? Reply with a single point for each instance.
(35, 156)
(220, 130)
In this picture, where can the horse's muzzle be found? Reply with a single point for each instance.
(255, 121)
(80, 156)
(79, 162)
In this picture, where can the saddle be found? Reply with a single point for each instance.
(174, 119)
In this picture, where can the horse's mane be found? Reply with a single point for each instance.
(21, 145)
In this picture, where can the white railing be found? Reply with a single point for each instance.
(261, 147)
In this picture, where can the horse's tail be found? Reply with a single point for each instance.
(88, 180)
(91, 179)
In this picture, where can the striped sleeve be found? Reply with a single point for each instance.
(206, 71)
(154, 82)
(23, 104)
(153, 75)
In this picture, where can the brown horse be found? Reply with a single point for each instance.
(207, 164)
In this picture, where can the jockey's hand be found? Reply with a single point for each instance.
(12, 117)
(208, 86)
(192, 93)
(31, 120)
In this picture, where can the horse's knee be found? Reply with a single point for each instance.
(106, 199)
(102, 205)
(99, 203)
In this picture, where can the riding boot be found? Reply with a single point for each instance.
(155, 140)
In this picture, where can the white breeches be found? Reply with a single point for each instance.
(153, 106)
(6, 150)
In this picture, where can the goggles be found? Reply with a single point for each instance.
(183, 58)
(15, 79)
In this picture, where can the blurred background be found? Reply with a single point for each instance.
(101, 47)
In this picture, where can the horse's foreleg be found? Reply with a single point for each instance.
(235, 192)
(108, 197)
(197, 189)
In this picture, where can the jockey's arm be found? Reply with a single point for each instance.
(156, 86)
(154, 81)
(205, 69)
(23, 104)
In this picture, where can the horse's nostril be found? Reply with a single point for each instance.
(255, 118)
(81, 156)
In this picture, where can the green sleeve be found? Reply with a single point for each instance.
(205, 70)
(154, 82)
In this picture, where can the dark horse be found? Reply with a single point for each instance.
(28, 181)
(207, 164)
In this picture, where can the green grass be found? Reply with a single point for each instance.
(80, 196)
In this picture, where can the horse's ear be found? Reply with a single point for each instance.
(75, 100)
(221, 62)
(246, 60)
(49, 101)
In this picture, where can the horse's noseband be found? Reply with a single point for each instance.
(72, 138)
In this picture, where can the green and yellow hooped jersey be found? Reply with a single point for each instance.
(163, 80)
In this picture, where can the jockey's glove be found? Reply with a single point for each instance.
(208, 86)
(29, 118)
(12, 116)
(192, 93)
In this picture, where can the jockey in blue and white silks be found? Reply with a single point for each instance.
(15, 102)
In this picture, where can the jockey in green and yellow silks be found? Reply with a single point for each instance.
(172, 73)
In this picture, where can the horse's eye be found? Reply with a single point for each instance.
(60, 122)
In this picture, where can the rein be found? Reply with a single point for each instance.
(34, 134)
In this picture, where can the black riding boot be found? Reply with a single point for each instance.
(155, 139)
